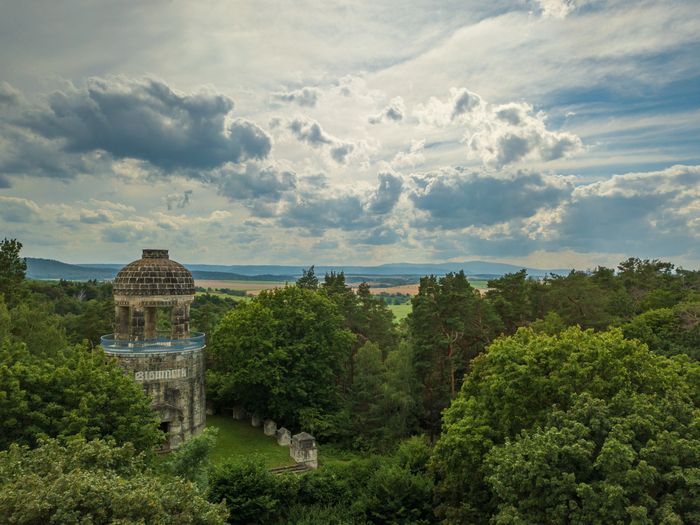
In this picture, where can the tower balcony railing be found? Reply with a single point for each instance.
(161, 343)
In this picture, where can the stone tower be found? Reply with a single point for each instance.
(150, 293)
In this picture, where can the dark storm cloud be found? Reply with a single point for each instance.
(457, 199)
(305, 97)
(387, 194)
(147, 120)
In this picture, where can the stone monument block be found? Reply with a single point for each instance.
(303, 449)
(269, 427)
(284, 437)
(256, 421)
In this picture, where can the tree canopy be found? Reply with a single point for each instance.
(77, 481)
(282, 352)
(605, 401)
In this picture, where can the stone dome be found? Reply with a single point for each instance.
(154, 274)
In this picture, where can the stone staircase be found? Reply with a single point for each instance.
(291, 469)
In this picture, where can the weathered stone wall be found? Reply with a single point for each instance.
(175, 383)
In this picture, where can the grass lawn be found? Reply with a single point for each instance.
(400, 311)
(238, 439)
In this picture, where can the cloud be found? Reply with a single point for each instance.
(394, 112)
(498, 134)
(147, 120)
(317, 207)
(656, 211)
(556, 8)
(126, 232)
(22, 153)
(178, 200)
(9, 95)
(340, 152)
(18, 210)
(379, 236)
(440, 113)
(310, 132)
(305, 97)
(410, 158)
(318, 212)
(94, 217)
(259, 189)
(386, 195)
(453, 199)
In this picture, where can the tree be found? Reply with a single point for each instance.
(12, 270)
(282, 352)
(668, 331)
(450, 324)
(579, 300)
(365, 401)
(74, 391)
(308, 279)
(190, 460)
(250, 492)
(511, 300)
(630, 459)
(519, 385)
(79, 481)
(400, 401)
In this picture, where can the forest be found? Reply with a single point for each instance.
(570, 399)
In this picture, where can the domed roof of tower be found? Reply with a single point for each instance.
(154, 274)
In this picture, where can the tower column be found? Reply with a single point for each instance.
(122, 324)
(180, 321)
(137, 323)
(150, 315)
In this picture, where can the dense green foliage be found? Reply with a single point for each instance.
(450, 324)
(280, 353)
(12, 271)
(317, 357)
(78, 481)
(376, 489)
(50, 388)
(582, 425)
(594, 299)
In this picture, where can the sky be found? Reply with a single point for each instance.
(547, 133)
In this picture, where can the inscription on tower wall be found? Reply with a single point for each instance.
(151, 375)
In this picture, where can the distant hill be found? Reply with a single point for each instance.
(398, 272)
(52, 269)
(475, 269)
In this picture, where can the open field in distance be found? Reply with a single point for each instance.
(252, 287)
